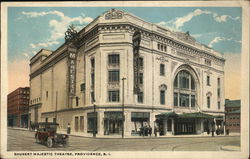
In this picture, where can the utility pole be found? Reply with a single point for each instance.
(95, 116)
(56, 107)
(123, 115)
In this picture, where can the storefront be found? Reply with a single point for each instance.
(92, 122)
(138, 121)
(112, 123)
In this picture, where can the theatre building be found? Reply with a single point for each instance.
(122, 67)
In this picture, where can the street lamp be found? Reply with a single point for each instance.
(123, 115)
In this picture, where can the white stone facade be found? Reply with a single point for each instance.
(109, 34)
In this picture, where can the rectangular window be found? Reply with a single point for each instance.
(83, 87)
(162, 97)
(218, 105)
(113, 59)
(165, 48)
(175, 99)
(208, 101)
(92, 97)
(184, 100)
(46, 120)
(76, 124)
(82, 123)
(140, 97)
(192, 100)
(208, 80)
(47, 94)
(158, 46)
(92, 63)
(162, 69)
(77, 101)
(140, 61)
(92, 80)
(140, 78)
(218, 82)
(114, 76)
(218, 92)
(113, 96)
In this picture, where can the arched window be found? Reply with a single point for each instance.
(184, 90)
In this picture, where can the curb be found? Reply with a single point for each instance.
(230, 148)
(139, 137)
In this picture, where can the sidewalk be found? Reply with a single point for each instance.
(230, 148)
(89, 135)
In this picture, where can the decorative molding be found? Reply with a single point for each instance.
(163, 87)
(209, 94)
(162, 59)
(173, 64)
(199, 71)
(114, 14)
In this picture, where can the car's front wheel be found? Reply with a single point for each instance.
(49, 142)
(37, 139)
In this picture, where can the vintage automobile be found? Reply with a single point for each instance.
(46, 133)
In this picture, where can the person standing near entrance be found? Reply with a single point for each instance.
(68, 129)
(213, 129)
(150, 130)
(155, 131)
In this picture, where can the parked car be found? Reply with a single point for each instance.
(46, 133)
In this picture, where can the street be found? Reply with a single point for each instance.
(19, 140)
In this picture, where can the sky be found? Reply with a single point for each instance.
(33, 28)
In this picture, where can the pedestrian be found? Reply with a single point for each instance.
(68, 129)
(143, 131)
(155, 131)
(150, 130)
(213, 129)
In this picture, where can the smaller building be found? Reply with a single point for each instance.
(18, 107)
(232, 109)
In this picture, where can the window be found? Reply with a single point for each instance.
(54, 120)
(46, 119)
(159, 47)
(218, 92)
(218, 105)
(140, 78)
(175, 99)
(192, 100)
(184, 100)
(218, 82)
(162, 69)
(208, 101)
(92, 79)
(77, 101)
(140, 62)
(113, 59)
(162, 97)
(114, 76)
(82, 123)
(165, 48)
(92, 61)
(76, 124)
(140, 97)
(184, 90)
(82, 87)
(208, 80)
(113, 96)
(47, 94)
(208, 62)
(92, 97)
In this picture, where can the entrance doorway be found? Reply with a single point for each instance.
(112, 123)
(184, 126)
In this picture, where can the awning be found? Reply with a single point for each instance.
(113, 115)
(196, 115)
(166, 115)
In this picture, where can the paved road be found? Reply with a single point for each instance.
(19, 140)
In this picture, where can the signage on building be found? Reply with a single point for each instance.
(136, 47)
(72, 69)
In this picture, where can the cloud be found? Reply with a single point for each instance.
(18, 74)
(58, 27)
(177, 23)
(218, 39)
(46, 44)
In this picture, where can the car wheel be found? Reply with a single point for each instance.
(49, 142)
(37, 139)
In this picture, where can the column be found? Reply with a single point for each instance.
(127, 124)
(173, 127)
(165, 126)
(100, 123)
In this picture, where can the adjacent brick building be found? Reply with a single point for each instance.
(232, 109)
(18, 107)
